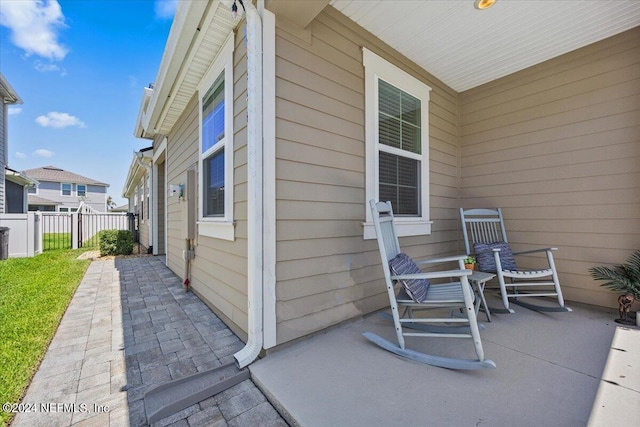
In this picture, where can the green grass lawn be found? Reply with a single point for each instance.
(34, 294)
(51, 241)
(56, 241)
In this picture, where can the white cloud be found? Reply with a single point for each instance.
(49, 68)
(21, 155)
(165, 9)
(41, 152)
(34, 26)
(59, 120)
(13, 111)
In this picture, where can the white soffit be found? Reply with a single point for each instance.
(216, 27)
(465, 47)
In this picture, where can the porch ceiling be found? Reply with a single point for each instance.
(465, 47)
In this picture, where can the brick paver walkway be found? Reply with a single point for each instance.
(130, 327)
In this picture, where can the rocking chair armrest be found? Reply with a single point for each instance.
(433, 275)
(439, 260)
(535, 250)
(485, 251)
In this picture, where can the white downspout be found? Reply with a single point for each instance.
(254, 188)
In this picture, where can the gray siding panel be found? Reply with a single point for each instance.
(326, 272)
(161, 193)
(219, 271)
(558, 147)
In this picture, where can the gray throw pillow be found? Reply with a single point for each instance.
(416, 288)
(486, 261)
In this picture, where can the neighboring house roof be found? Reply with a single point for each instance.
(19, 177)
(36, 200)
(7, 93)
(123, 208)
(55, 174)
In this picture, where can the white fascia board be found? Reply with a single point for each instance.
(136, 170)
(19, 178)
(140, 131)
(132, 177)
(9, 95)
(184, 31)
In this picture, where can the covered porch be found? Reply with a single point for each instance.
(553, 369)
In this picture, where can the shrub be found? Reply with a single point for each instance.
(115, 242)
(622, 278)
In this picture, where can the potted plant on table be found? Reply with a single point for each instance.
(625, 279)
(470, 263)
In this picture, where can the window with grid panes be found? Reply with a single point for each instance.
(215, 165)
(399, 149)
(397, 145)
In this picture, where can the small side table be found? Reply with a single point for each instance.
(478, 279)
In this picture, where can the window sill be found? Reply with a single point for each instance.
(217, 229)
(404, 228)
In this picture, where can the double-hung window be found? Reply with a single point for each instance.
(81, 189)
(215, 163)
(65, 189)
(397, 145)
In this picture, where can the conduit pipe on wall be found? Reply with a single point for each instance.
(254, 188)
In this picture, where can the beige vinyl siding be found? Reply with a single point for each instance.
(182, 153)
(144, 213)
(557, 146)
(326, 273)
(219, 271)
(161, 194)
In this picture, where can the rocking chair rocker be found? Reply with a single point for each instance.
(486, 238)
(417, 294)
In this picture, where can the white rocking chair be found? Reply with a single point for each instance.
(454, 295)
(485, 237)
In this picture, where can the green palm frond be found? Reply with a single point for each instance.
(623, 278)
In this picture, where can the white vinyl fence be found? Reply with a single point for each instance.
(77, 230)
(90, 224)
(33, 232)
(25, 236)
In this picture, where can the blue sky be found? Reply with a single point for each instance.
(80, 67)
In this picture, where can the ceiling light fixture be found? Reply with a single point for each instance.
(483, 4)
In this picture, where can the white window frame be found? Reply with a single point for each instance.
(35, 187)
(78, 190)
(62, 184)
(376, 68)
(218, 227)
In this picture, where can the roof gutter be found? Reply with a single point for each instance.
(254, 188)
(9, 95)
(19, 177)
(139, 158)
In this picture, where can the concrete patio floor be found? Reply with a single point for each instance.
(549, 369)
